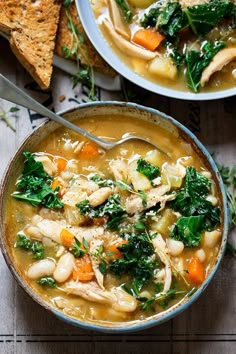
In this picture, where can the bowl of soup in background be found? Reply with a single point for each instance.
(54, 140)
(136, 69)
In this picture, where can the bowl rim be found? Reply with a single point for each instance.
(100, 43)
(171, 312)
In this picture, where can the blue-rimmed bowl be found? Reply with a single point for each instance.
(128, 110)
(104, 49)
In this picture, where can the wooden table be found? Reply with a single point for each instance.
(208, 326)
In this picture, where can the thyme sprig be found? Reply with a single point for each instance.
(4, 116)
(85, 72)
(229, 178)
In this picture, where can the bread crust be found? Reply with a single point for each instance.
(32, 26)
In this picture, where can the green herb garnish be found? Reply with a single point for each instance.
(191, 200)
(188, 230)
(47, 281)
(34, 246)
(111, 208)
(34, 185)
(147, 169)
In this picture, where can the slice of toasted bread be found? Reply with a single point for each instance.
(10, 15)
(32, 25)
(65, 39)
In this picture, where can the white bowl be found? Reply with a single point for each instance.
(96, 37)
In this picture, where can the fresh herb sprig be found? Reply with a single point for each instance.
(162, 299)
(129, 188)
(80, 249)
(85, 72)
(4, 116)
(229, 178)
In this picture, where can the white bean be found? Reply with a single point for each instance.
(60, 251)
(35, 219)
(175, 247)
(100, 196)
(34, 232)
(213, 200)
(211, 238)
(47, 242)
(124, 301)
(206, 174)
(146, 294)
(64, 267)
(42, 268)
(201, 255)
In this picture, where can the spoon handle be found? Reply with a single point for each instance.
(12, 93)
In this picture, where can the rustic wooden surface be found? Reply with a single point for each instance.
(207, 327)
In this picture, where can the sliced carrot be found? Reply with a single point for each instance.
(114, 251)
(196, 271)
(83, 270)
(148, 38)
(57, 183)
(61, 164)
(89, 150)
(67, 238)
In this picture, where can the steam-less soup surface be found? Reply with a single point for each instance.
(114, 236)
(184, 45)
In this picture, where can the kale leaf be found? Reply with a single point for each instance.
(147, 169)
(200, 18)
(35, 246)
(34, 185)
(172, 19)
(191, 199)
(204, 17)
(188, 230)
(111, 208)
(196, 62)
(150, 19)
(48, 281)
(135, 261)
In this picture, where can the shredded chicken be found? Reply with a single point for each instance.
(162, 252)
(119, 169)
(48, 165)
(127, 47)
(117, 20)
(93, 247)
(185, 3)
(222, 58)
(116, 297)
(135, 205)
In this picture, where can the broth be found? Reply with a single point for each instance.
(124, 259)
(184, 75)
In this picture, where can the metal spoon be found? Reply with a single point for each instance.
(12, 93)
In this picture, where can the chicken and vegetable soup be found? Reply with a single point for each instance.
(184, 45)
(119, 235)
